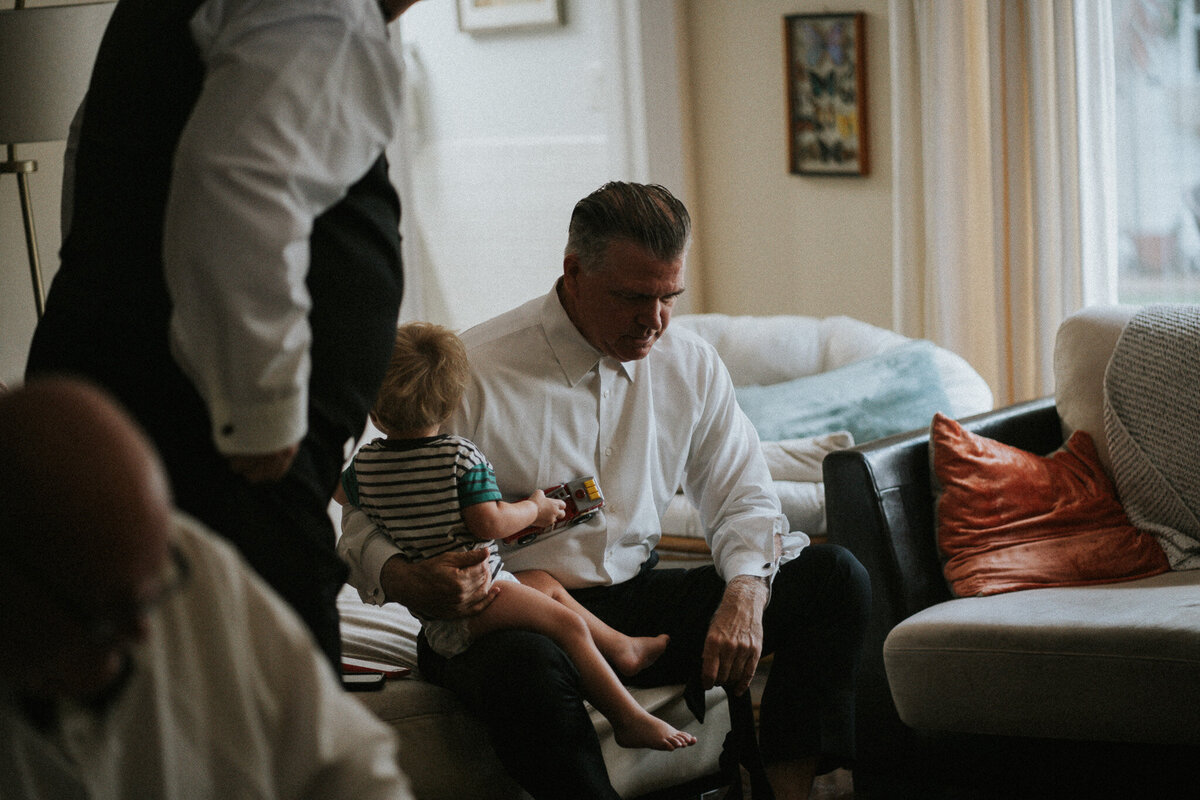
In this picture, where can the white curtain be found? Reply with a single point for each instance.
(1005, 209)
(400, 163)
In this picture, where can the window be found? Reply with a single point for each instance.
(1158, 149)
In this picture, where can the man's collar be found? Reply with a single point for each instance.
(575, 355)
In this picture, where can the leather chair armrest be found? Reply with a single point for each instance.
(879, 502)
(879, 505)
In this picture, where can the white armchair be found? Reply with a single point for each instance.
(851, 381)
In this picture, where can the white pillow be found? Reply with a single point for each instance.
(800, 459)
(387, 634)
(795, 466)
(804, 504)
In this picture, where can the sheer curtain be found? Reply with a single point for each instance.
(1005, 208)
(400, 163)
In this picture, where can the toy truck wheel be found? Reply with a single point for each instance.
(583, 518)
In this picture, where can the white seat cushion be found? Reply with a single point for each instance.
(1117, 662)
(444, 751)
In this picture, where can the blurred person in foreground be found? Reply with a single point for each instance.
(141, 657)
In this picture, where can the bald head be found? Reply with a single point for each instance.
(76, 472)
(85, 513)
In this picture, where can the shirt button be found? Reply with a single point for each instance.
(608, 451)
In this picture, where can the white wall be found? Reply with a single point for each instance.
(690, 93)
(18, 314)
(513, 127)
(773, 242)
(510, 128)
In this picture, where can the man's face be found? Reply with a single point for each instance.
(624, 307)
(85, 552)
(76, 638)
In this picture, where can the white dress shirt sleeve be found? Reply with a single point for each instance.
(729, 482)
(365, 547)
(299, 100)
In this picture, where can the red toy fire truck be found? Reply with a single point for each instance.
(583, 499)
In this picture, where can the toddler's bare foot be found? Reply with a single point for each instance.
(651, 732)
(638, 652)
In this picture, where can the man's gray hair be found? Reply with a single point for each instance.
(646, 215)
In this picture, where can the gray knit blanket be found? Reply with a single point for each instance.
(1152, 423)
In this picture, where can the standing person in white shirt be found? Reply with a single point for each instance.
(231, 269)
(588, 381)
(142, 658)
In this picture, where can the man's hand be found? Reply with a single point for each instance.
(264, 467)
(734, 642)
(448, 586)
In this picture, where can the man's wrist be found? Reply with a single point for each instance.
(391, 578)
(751, 580)
(753, 588)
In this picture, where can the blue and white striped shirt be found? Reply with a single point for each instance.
(415, 489)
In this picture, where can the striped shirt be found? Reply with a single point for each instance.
(415, 489)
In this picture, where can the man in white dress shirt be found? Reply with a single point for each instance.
(588, 381)
(142, 658)
(231, 265)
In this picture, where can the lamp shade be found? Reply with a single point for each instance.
(46, 59)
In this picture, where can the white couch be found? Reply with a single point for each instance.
(444, 750)
(1056, 691)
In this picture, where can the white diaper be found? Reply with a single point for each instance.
(449, 637)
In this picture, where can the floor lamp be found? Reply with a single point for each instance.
(46, 57)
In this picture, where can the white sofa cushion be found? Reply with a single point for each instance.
(772, 349)
(1115, 662)
(444, 751)
(1082, 349)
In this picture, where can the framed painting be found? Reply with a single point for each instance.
(494, 15)
(825, 63)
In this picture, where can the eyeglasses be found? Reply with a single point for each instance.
(104, 626)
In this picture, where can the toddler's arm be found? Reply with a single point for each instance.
(496, 519)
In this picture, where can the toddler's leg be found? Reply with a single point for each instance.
(629, 654)
(519, 606)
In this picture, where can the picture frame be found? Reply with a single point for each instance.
(480, 16)
(825, 61)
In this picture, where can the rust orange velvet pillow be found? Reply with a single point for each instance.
(1008, 519)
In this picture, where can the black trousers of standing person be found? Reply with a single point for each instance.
(527, 692)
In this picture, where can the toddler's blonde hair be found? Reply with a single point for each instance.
(425, 379)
